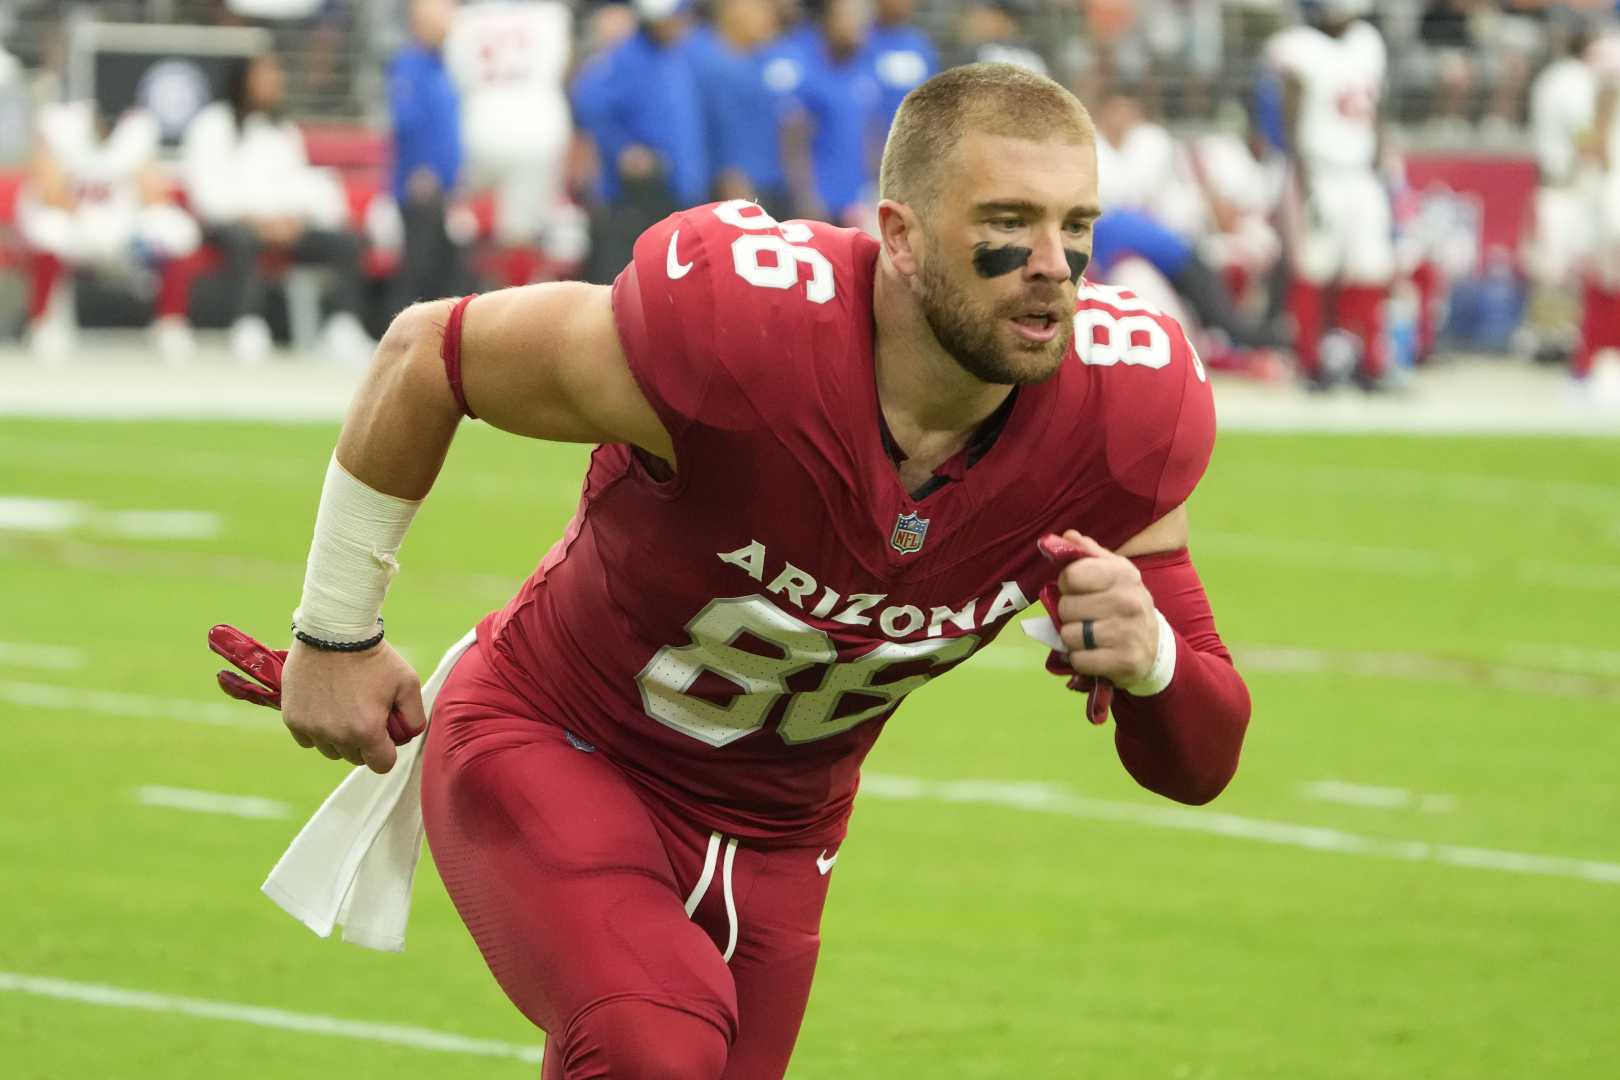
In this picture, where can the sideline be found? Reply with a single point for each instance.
(1464, 396)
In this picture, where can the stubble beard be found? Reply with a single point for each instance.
(972, 334)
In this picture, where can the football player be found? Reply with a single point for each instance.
(1342, 255)
(96, 199)
(1600, 300)
(830, 467)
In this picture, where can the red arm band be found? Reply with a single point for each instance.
(450, 353)
(1183, 742)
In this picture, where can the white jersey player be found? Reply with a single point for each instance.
(509, 60)
(1600, 319)
(1332, 69)
(1563, 107)
(95, 199)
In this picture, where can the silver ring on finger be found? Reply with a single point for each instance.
(1088, 638)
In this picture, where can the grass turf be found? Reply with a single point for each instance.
(1435, 614)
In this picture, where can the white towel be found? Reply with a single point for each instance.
(354, 862)
(1041, 629)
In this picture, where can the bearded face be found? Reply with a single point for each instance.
(980, 330)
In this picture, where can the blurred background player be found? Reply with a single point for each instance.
(902, 55)
(990, 32)
(1159, 219)
(248, 177)
(509, 60)
(95, 199)
(1340, 247)
(1600, 300)
(1563, 105)
(639, 106)
(838, 116)
(736, 62)
(426, 112)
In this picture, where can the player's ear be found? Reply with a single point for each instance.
(900, 235)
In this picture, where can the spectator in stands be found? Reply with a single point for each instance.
(1515, 43)
(1447, 60)
(94, 199)
(640, 106)
(741, 84)
(249, 179)
(427, 153)
(902, 56)
(510, 63)
(837, 117)
(990, 33)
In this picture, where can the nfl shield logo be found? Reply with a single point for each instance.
(909, 533)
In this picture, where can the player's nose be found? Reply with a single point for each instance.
(1048, 258)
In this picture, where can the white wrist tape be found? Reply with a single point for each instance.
(1164, 664)
(358, 531)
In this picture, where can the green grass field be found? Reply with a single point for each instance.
(1433, 620)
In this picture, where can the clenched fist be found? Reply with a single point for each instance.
(339, 702)
(1109, 625)
(353, 706)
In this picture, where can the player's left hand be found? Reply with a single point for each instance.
(1103, 592)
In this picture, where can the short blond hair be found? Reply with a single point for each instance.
(998, 99)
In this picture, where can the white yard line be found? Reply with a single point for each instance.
(31, 695)
(159, 524)
(1408, 562)
(103, 557)
(1578, 659)
(1052, 799)
(1418, 667)
(31, 515)
(1377, 797)
(211, 802)
(1444, 484)
(48, 657)
(416, 1038)
(1413, 667)
(21, 513)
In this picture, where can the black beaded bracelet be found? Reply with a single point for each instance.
(339, 646)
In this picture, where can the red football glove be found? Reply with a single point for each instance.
(265, 664)
(1099, 692)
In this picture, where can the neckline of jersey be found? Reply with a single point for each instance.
(1015, 418)
(954, 468)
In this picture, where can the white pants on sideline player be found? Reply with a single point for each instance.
(1563, 237)
(1340, 230)
(107, 232)
(519, 152)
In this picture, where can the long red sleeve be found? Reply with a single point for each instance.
(1183, 742)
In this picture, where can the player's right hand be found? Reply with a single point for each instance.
(339, 702)
(377, 675)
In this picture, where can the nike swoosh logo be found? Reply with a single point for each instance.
(825, 864)
(677, 269)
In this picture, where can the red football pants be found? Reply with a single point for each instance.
(575, 885)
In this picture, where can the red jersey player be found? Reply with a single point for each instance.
(825, 464)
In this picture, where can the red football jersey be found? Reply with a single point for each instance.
(736, 636)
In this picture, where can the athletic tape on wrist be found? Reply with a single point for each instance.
(1164, 664)
(352, 558)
